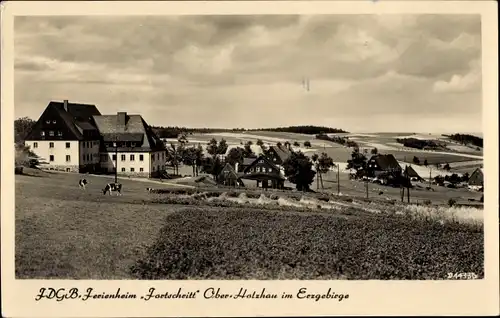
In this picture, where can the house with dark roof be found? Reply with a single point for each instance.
(476, 179)
(264, 172)
(229, 177)
(383, 166)
(76, 137)
(278, 154)
(412, 174)
(66, 138)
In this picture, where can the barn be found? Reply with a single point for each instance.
(382, 165)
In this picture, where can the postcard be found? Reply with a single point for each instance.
(249, 158)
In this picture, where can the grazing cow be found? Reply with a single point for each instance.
(381, 192)
(113, 187)
(82, 183)
(150, 190)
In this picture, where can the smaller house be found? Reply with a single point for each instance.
(384, 165)
(229, 177)
(476, 179)
(240, 167)
(265, 173)
(413, 175)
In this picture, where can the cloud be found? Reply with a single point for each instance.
(189, 69)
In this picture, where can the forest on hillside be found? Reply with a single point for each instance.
(466, 139)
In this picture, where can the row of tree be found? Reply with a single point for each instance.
(466, 139)
(419, 143)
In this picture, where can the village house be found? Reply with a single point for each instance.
(278, 155)
(264, 172)
(384, 167)
(476, 179)
(77, 138)
(229, 177)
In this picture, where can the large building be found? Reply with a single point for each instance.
(77, 138)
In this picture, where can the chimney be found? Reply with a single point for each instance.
(122, 118)
(236, 165)
(66, 105)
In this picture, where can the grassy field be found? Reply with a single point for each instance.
(64, 232)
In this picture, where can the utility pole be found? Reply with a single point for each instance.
(116, 161)
(430, 177)
(366, 184)
(338, 179)
(407, 184)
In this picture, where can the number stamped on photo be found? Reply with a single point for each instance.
(466, 276)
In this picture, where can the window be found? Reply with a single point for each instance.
(123, 169)
(88, 157)
(104, 158)
(42, 133)
(51, 158)
(132, 144)
(123, 157)
(153, 168)
(132, 169)
(35, 145)
(132, 157)
(68, 158)
(162, 156)
(59, 133)
(114, 157)
(141, 157)
(84, 157)
(141, 169)
(51, 133)
(54, 121)
(51, 145)
(68, 145)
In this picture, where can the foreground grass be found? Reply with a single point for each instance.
(246, 243)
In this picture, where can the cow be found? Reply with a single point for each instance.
(381, 192)
(113, 187)
(150, 190)
(82, 183)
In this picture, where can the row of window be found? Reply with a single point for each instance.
(104, 158)
(86, 157)
(51, 133)
(86, 144)
(261, 169)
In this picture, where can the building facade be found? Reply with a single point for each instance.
(77, 138)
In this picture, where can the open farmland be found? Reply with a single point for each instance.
(64, 232)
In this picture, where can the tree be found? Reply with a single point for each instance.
(199, 158)
(182, 139)
(22, 126)
(307, 144)
(279, 144)
(25, 157)
(416, 160)
(374, 151)
(259, 143)
(426, 163)
(324, 164)
(314, 159)
(247, 150)
(447, 167)
(212, 165)
(215, 148)
(357, 161)
(235, 155)
(174, 156)
(296, 144)
(298, 170)
(188, 157)
(465, 177)
(287, 144)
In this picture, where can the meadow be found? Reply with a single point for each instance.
(185, 233)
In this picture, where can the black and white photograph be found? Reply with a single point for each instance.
(306, 147)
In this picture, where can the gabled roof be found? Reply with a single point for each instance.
(386, 162)
(261, 157)
(230, 171)
(412, 173)
(248, 161)
(134, 129)
(77, 118)
(282, 152)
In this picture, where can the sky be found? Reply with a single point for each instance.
(366, 73)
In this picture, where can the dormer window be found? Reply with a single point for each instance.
(47, 121)
(54, 121)
(59, 133)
